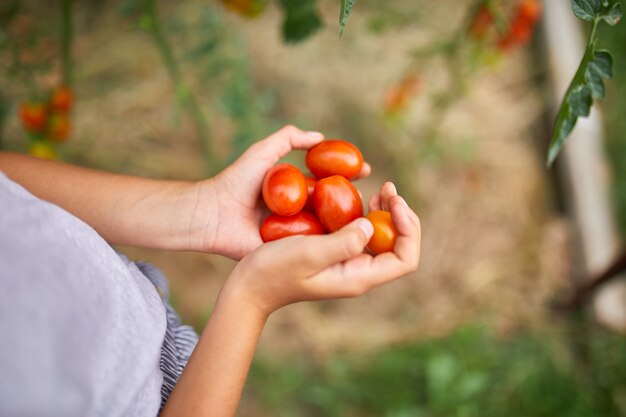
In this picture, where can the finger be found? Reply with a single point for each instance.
(366, 170)
(374, 203)
(323, 251)
(408, 227)
(387, 191)
(280, 143)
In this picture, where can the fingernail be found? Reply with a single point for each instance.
(316, 135)
(367, 227)
(393, 189)
(404, 202)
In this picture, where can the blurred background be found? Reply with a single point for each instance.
(440, 98)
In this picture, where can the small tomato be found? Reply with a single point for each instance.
(385, 232)
(59, 127)
(337, 202)
(302, 223)
(33, 116)
(284, 189)
(529, 10)
(334, 157)
(61, 100)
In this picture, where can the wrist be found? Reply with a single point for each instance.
(243, 300)
(195, 217)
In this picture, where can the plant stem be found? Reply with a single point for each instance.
(67, 33)
(189, 99)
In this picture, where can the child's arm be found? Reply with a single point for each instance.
(176, 215)
(282, 272)
(121, 208)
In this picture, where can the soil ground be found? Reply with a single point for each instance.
(494, 246)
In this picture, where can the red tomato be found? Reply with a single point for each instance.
(303, 223)
(61, 100)
(59, 127)
(336, 202)
(385, 233)
(334, 157)
(33, 116)
(284, 190)
(310, 186)
(529, 10)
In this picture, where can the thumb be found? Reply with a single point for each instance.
(346, 243)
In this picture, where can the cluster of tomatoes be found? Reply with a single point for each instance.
(324, 203)
(47, 122)
(519, 28)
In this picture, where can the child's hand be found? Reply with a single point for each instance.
(330, 266)
(233, 230)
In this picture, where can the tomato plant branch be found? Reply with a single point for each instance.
(584, 292)
(67, 34)
(182, 90)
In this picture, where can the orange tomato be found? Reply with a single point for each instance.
(385, 232)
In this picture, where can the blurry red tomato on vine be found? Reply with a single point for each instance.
(246, 8)
(399, 96)
(33, 116)
(59, 127)
(481, 22)
(61, 100)
(521, 25)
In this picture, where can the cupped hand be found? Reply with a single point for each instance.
(233, 227)
(305, 268)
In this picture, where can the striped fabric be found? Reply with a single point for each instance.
(179, 340)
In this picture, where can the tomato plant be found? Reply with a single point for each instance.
(385, 232)
(284, 189)
(302, 223)
(334, 157)
(337, 202)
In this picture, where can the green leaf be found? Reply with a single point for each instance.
(588, 83)
(613, 15)
(586, 9)
(301, 19)
(344, 13)
(580, 100)
(598, 70)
